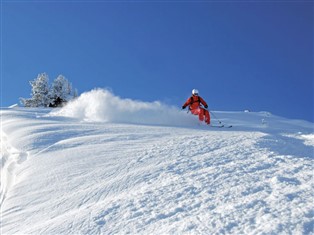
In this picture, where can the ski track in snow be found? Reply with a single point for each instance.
(11, 158)
(63, 176)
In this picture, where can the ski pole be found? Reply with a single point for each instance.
(220, 122)
(215, 116)
(212, 113)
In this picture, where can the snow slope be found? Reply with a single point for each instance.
(97, 166)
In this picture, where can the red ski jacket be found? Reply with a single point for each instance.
(194, 102)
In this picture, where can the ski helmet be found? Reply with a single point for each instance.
(194, 92)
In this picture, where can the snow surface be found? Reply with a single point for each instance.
(107, 165)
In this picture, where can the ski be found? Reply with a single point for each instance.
(221, 126)
(217, 126)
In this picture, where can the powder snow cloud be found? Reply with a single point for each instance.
(103, 106)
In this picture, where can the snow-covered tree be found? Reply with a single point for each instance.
(75, 93)
(40, 91)
(61, 91)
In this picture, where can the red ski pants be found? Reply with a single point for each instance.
(201, 114)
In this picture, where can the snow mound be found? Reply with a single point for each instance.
(13, 106)
(102, 105)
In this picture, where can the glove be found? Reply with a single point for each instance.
(183, 107)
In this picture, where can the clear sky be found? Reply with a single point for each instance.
(255, 55)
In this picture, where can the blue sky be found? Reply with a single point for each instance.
(239, 54)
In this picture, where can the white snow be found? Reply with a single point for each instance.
(108, 165)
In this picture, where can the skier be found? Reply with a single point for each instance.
(196, 103)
